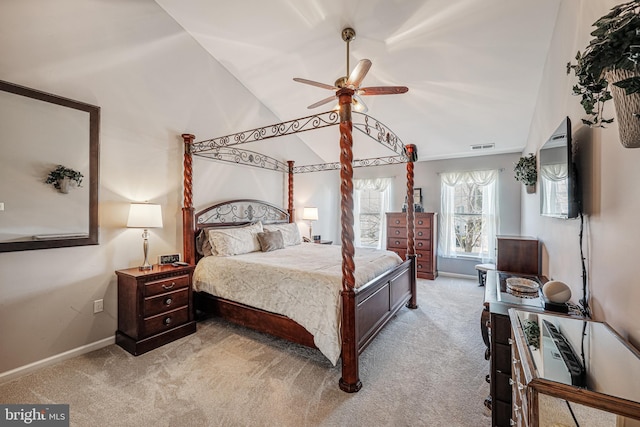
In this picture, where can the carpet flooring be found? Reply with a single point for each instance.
(426, 368)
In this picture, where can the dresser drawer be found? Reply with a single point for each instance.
(397, 232)
(402, 253)
(422, 244)
(422, 234)
(423, 265)
(423, 222)
(165, 285)
(164, 321)
(396, 243)
(164, 302)
(397, 220)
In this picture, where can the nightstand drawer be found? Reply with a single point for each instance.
(170, 284)
(164, 302)
(165, 321)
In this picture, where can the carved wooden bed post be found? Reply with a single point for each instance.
(350, 381)
(290, 201)
(188, 244)
(412, 155)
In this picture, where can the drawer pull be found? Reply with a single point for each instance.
(170, 286)
(168, 301)
(167, 320)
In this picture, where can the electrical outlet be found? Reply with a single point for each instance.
(98, 306)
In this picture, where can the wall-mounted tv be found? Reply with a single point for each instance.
(559, 189)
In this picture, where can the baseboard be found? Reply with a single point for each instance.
(23, 370)
(458, 276)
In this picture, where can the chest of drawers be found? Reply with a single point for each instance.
(155, 307)
(425, 238)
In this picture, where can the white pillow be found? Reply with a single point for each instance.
(290, 232)
(235, 241)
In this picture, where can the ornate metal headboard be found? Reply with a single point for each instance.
(239, 212)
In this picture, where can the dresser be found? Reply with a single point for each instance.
(566, 369)
(155, 307)
(425, 238)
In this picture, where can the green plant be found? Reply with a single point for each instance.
(532, 333)
(525, 170)
(615, 46)
(61, 172)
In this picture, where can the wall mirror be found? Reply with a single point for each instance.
(38, 132)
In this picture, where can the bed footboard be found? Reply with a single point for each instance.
(379, 300)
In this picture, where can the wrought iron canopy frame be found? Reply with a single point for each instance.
(224, 148)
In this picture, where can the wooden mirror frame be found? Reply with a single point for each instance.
(94, 153)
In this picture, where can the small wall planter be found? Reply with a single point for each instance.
(62, 177)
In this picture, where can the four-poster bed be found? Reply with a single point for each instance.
(366, 308)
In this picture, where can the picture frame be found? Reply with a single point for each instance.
(417, 196)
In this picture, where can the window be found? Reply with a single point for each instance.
(469, 220)
(371, 201)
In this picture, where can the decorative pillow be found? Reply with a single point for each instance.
(203, 246)
(270, 240)
(235, 241)
(290, 232)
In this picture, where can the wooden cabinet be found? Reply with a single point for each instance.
(154, 307)
(555, 381)
(518, 254)
(425, 238)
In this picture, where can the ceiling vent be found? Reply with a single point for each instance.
(478, 147)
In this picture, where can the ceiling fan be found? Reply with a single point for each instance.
(353, 81)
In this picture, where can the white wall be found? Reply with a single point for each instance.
(610, 175)
(153, 82)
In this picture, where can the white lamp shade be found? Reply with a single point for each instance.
(310, 214)
(145, 215)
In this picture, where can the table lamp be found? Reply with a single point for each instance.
(310, 214)
(145, 215)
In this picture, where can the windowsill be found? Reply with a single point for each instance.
(463, 257)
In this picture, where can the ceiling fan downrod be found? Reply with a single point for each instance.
(348, 34)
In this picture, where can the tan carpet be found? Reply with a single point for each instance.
(425, 369)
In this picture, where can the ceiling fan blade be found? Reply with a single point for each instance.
(312, 83)
(358, 73)
(382, 90)
(324, 101)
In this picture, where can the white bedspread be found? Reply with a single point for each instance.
(302, 282)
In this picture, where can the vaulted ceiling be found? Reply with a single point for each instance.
(473, 67)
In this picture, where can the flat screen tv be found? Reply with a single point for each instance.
(559, 189)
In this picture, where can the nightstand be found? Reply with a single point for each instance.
(323, 242)
(155, 307)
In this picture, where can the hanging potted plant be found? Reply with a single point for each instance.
(62, 176)
(610, 62)
(526, 172)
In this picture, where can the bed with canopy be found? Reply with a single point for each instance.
(365, 308)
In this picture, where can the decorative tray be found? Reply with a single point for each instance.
(520, 286)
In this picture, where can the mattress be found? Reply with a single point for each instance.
(302, 282)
